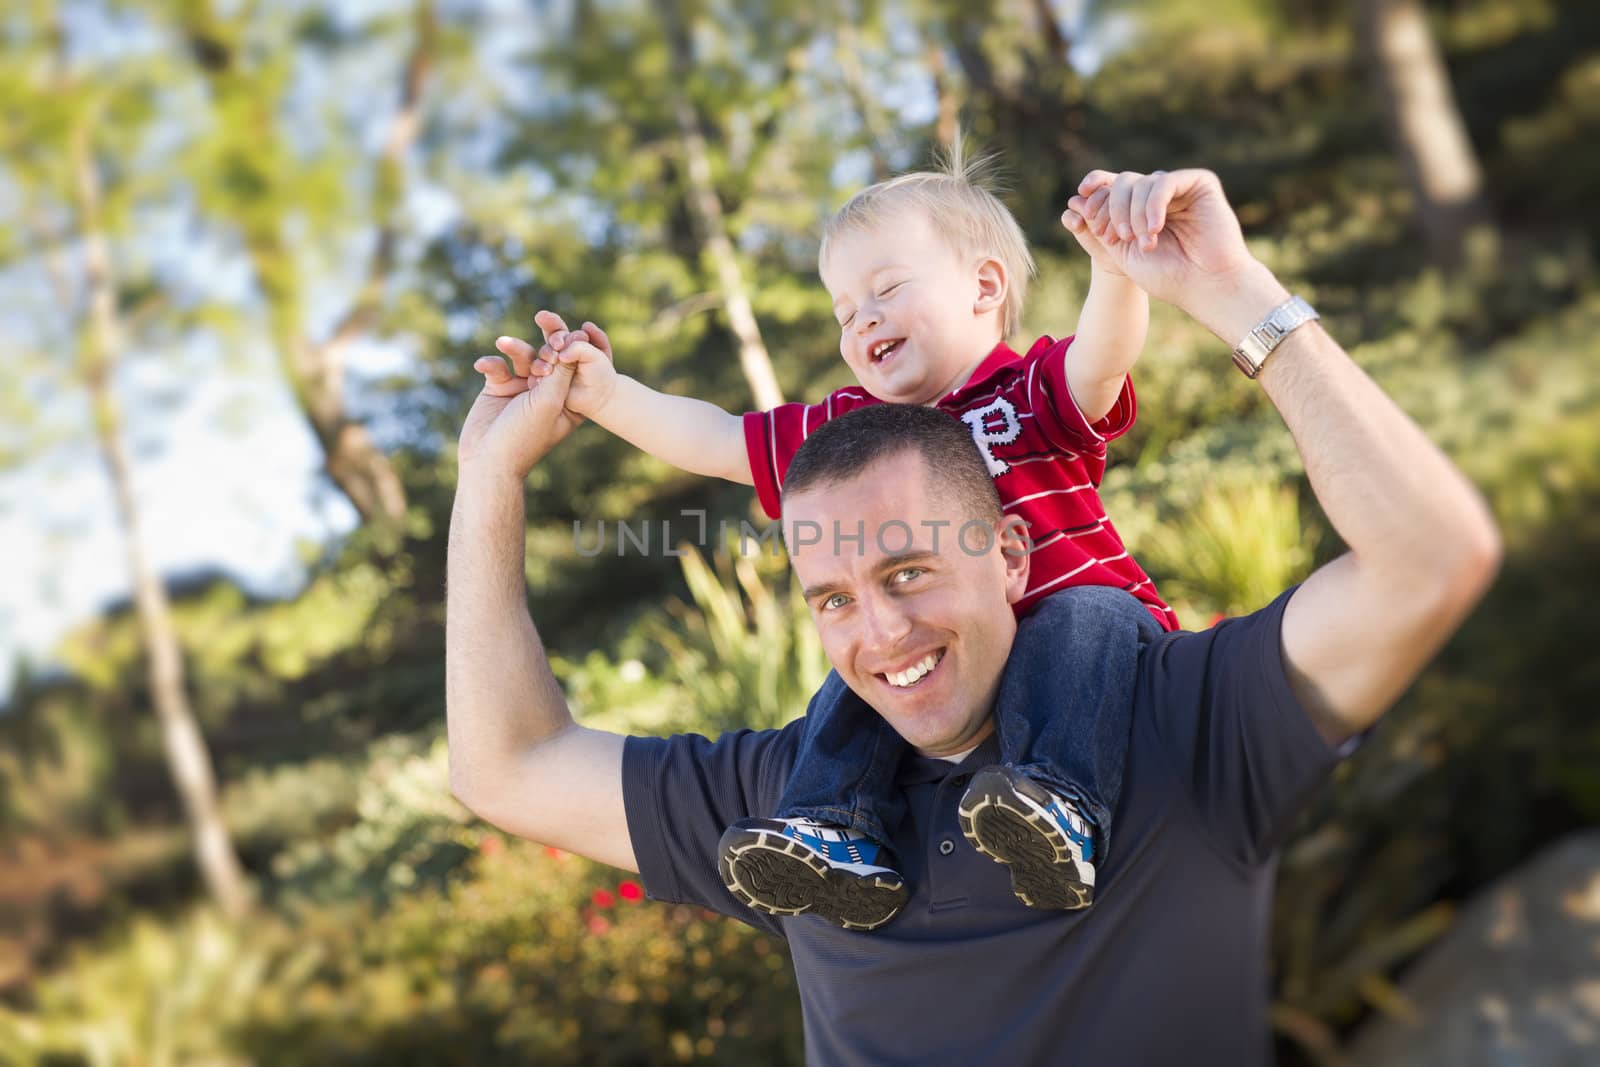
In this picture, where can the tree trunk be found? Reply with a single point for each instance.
(1056, 44)
(1428, 132)
(315, 370)
(188, 760)
(706, 208)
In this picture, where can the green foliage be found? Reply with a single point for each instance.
(54, 770)
(407, 830)
(747, 660)
(160, 994)
(744, 655)
(537, 957)
(1233, 552)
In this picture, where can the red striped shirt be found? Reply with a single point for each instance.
(1046, 459)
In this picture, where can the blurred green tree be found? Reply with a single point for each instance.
(79, 129)
(251, 178)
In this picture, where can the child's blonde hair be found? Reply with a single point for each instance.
(956, 198)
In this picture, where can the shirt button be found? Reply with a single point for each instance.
(946, 847)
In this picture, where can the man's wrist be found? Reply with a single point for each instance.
(483, 478)
(1231, 305)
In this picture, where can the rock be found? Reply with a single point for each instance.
(1516, 983)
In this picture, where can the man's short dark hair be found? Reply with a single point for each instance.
(844, 447)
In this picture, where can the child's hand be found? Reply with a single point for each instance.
(1165, 231)
(1102, 258)
(587, 350)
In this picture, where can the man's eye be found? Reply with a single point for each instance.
(907, 574)
(837, 600)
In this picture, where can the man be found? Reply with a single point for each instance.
(1230, 728)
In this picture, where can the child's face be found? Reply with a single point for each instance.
(900, 281)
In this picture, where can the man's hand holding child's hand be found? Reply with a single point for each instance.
(1094, 196)
(587, 350)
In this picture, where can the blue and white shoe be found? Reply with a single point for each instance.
(800, 867)
(1042, 837)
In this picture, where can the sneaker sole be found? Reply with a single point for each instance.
(773, 873)
(1002, 826)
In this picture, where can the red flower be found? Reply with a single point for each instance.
(1218, 617)
(598, 924)
(632, 892)
(491, 846)
(553, 852)
(602, 898)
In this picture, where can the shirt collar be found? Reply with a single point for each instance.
(1000, 357)
(916, 770)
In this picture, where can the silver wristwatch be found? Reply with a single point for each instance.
(1252, 352)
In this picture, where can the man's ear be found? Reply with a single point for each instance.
(992, 286)
(1016, 548)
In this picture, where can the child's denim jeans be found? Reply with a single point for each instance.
(1062, 715)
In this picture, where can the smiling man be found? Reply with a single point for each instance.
(1230, 728)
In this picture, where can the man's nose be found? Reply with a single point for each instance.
(886, 623)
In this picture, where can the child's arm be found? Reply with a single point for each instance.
(1111, 332)
(690, 434)
(1110, 336)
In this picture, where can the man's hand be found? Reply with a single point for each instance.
(517, 419)
(1173, 233)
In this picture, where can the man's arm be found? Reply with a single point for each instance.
(1422, 545)
(517, 758)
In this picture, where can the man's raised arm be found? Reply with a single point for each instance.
(1422, 545)
(517, 758)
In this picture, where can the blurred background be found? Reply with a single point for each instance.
(250, 249)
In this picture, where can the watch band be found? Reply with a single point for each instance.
(1250, 353)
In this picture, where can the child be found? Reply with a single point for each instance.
(928, 272)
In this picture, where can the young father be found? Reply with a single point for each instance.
(1231, 728)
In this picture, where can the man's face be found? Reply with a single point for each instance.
(915, 317)
(920, 635)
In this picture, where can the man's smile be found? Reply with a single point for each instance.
(916, 673)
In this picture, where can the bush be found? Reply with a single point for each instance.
(534, 956)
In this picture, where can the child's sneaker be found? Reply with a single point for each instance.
(1049, 846)
(795, 866)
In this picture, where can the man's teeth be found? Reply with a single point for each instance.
(906, 677)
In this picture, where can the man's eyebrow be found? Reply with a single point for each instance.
(811, 592)
(889, 563)
(900, 559)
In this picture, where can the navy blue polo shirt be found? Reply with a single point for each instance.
(1167, 966)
